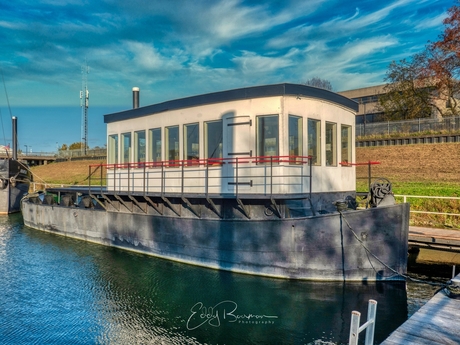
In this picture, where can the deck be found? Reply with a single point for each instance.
(434, 323)
(434, 238)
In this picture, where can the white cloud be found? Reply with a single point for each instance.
(9, 25)
(430, 23)
(250, 62)
(148, 58)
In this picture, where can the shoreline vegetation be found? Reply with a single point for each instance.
(402, 135)
(414, 170)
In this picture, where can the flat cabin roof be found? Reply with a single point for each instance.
(234, 95)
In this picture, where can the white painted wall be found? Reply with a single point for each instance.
(325, 178)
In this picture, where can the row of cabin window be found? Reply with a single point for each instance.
(267, 141)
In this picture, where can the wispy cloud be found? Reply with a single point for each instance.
(186, 47)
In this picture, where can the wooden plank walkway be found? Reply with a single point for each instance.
(434, 238)
(437, 322)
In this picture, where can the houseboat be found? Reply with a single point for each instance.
(15, 177)
(258, 180)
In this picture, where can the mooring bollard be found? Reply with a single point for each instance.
(369, 326)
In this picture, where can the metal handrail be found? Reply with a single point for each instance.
(182, 165)
(430, 197)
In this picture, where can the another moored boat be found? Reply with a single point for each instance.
(257, 180)
(15, 178)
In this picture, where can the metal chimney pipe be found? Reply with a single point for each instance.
(15, 137)
(135, 97)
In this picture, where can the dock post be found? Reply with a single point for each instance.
(369, 326)
(354, 333)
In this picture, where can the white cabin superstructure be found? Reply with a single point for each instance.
(252, 141)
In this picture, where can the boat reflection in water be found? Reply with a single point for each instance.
(62, 291)
(156, 300)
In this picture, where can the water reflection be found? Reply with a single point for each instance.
(58, 290)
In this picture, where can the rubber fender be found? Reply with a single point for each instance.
(67, 200)
(35, 200)
(87, 202)
(49, 200)
(3, 183)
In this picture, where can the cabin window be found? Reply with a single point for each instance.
(126, 147)
(314, 141)
(267, 136)
(213, 138)
(191, 142)
(295, 138)
(346, 145)
(139, 148)
(155, 145)
(113, 149)
(172, 143)
(331, 144)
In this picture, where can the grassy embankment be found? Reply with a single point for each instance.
(427, 170)
(63, 173)
(424, 169)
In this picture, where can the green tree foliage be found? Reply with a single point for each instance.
(319, 83)
(76, 146)
(427, 83)
(405, 96)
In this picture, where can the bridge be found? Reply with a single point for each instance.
(33, 159)
(43, 158)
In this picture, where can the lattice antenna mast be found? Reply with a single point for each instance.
(84, 103)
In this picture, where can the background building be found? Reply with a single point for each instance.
(367, 98)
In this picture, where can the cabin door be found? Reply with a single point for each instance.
(237, 144)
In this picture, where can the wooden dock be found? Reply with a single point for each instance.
(430, 238)
(437, 322)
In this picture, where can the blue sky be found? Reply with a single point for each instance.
(177, 48)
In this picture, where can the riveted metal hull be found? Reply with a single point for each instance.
(333, 246)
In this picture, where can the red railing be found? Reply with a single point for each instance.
(369, 171)
(183, 165)
(208, 162)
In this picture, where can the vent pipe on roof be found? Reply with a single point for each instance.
(135, 97)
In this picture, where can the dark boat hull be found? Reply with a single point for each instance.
(321, 247)
(14, 185)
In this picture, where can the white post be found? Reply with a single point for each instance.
(369, 326)
(371, 314)
(354, 328)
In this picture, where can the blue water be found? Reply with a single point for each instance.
(55, 290)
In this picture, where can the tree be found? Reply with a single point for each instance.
(319, 83)
(405, 94)
(63, 147)
(427, 83)
(444, 62)
(76, 146)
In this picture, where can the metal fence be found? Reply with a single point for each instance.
(66, 154)
(405, 197)
(446, 124)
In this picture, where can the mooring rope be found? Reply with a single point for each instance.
(378, 190)
(443, 285)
